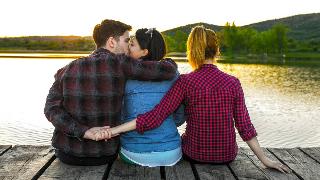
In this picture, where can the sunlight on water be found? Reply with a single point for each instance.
(283, 101)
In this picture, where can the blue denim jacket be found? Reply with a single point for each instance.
(141, 97)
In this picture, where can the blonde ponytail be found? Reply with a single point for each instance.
(200, 42)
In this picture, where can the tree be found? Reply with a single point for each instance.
(280, 34)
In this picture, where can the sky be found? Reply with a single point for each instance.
(78, 17)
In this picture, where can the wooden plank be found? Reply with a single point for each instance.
(312, 152)
(300, 163)
(59, 170)
(244, 168)
(24, 162)
(181, 171)
(4, 148)
(270, 173)
(121, 170)
(213, 172)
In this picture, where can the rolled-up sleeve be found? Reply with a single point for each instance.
(241, 115)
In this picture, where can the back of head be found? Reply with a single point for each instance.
(152, 40)
(202, 45)
(108, 28)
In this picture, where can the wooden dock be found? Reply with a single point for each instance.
(39, 162)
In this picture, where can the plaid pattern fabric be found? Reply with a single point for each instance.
(214, 104)
(88, 93)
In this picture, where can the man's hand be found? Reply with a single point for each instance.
(106, 133)
(94, 133)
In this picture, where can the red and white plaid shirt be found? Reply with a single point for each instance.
(214, 104)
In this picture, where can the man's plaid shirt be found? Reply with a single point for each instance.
(88, 93)
(214, 104)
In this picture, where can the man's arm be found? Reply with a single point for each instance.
(56, 113)
(148, 70)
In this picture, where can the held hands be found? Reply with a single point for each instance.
(99, 133)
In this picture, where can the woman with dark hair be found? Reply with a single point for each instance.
(160, 146)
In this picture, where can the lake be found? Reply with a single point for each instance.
(283, 101)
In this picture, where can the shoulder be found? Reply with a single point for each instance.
(231, 82)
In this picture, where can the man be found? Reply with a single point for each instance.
(87, 95)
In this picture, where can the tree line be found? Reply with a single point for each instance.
(246, 40)
(58, 43)
(233, 40)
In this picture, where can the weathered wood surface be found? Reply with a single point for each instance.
(181, 171)
(39, 162)
(270, 173)
(299, 162)
(24, 162)
(244, 168)
(314, 153)
(59, 170)
(213, 172)
(4, 148)
(121, 170)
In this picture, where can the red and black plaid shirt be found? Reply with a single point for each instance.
(88, 93)
(214, 104)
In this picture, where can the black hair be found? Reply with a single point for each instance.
(152, 40)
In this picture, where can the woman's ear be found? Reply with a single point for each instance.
(145, 52)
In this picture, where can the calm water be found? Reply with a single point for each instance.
(283, 101)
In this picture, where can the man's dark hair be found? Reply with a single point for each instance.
(108, 28)
(152, 40)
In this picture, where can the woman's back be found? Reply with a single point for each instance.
(141, 97)
(210, 133)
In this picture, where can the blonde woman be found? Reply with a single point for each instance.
(214, 106)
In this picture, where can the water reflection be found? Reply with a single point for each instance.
(283, 101)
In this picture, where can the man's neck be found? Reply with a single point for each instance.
(108, 48)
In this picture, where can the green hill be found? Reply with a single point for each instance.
(303, 35)
(187, 28)
(303, 27)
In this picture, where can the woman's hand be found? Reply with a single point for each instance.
(105, 134)
(257, 150)
(267, 163)
(94, 133)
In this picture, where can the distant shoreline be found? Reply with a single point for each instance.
(176, 56)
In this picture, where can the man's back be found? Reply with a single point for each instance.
(88, 93)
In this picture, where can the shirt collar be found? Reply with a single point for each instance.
(101, 50)
(208, 65)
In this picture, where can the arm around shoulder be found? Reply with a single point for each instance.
(148, 70)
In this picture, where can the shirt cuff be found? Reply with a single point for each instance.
(140, 124)
(248, 134)
(80, 130)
